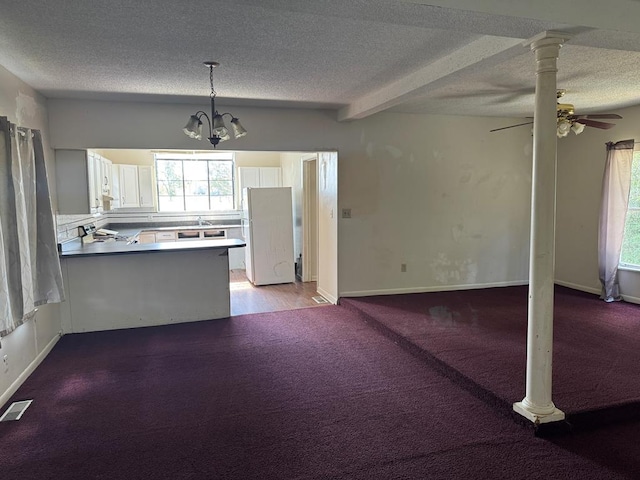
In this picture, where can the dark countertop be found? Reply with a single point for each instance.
(77, 249)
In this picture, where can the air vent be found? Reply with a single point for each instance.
(15, 411)
(319, 299)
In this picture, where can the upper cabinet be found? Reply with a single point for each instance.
(270, 177)
(253, 177)
(136, 186)
(129, 191)
(80, 181)
(259, 177)
(145, 186)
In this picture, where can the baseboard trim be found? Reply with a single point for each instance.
(630, 299)
(13, 388)
(438, 288)
(328, 296)
(575, 286)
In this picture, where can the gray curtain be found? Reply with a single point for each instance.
(615, 199)
(29, 265)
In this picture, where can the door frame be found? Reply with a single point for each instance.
(309, 201)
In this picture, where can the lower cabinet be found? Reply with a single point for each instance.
(236, 255)
(152, 236)
(147, 237)
(165, 236)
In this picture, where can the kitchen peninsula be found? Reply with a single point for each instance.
(114, 285)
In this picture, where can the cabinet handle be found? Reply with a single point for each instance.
(141, 202)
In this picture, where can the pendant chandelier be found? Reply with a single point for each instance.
(218, 131)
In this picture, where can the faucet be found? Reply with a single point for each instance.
(200, 221)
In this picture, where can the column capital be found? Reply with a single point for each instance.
(546, 38)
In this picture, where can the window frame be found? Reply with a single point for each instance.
(635, 167)
(204, 157)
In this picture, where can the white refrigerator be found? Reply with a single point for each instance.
(267, 227)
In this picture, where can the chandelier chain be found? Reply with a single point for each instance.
(212, 95)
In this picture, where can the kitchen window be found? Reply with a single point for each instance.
(195, 182)
(630, 256)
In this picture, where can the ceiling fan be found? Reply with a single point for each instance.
(568, 121)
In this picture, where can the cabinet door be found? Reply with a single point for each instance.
(147, 237)
(129, 195)
(270, 177)
(74, 179)
(248, 177)
(107, 168)
(165, 236)
(115, 186)
(91, 182)
(98, 175)
(145, 185)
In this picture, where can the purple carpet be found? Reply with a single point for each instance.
(478, 337)
(306, 394)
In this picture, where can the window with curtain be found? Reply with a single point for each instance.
(30, 272)
(195, 183)
(630, 256)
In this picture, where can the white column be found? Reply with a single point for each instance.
(537, 405)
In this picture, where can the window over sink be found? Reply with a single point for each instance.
(195, 182)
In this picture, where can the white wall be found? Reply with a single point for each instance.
(439, 193)
(25, 107)
(581, 160)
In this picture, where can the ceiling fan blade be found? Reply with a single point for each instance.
(600, 115)
(511, 126)
(593, 123)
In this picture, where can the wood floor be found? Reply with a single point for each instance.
(247, 298)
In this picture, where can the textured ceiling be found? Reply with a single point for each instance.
(355, 56)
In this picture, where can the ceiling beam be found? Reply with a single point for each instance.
(614, 15)
(415, 83)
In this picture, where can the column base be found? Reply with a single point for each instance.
(554, 416)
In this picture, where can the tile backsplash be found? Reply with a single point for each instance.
(67, 225)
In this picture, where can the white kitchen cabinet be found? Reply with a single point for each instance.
(254, 177)
(135, 186)
(270, 177)
(115, 186)
(145, 186)
(147, 237)
(95, 191)
(107, 174)
(236, 255)
(79, 181)
(248, 177)
(166, 236)
(129, 192)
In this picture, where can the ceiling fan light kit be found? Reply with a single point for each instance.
(568, 121)
(218, 131)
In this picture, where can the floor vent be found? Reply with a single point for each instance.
(319, 299)
(15, 411)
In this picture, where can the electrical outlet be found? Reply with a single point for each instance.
(403, 267)
(346, 213)
(5, 363)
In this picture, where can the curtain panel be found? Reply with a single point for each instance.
(30, 272)
(616, 185)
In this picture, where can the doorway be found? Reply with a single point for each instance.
(313, 179)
